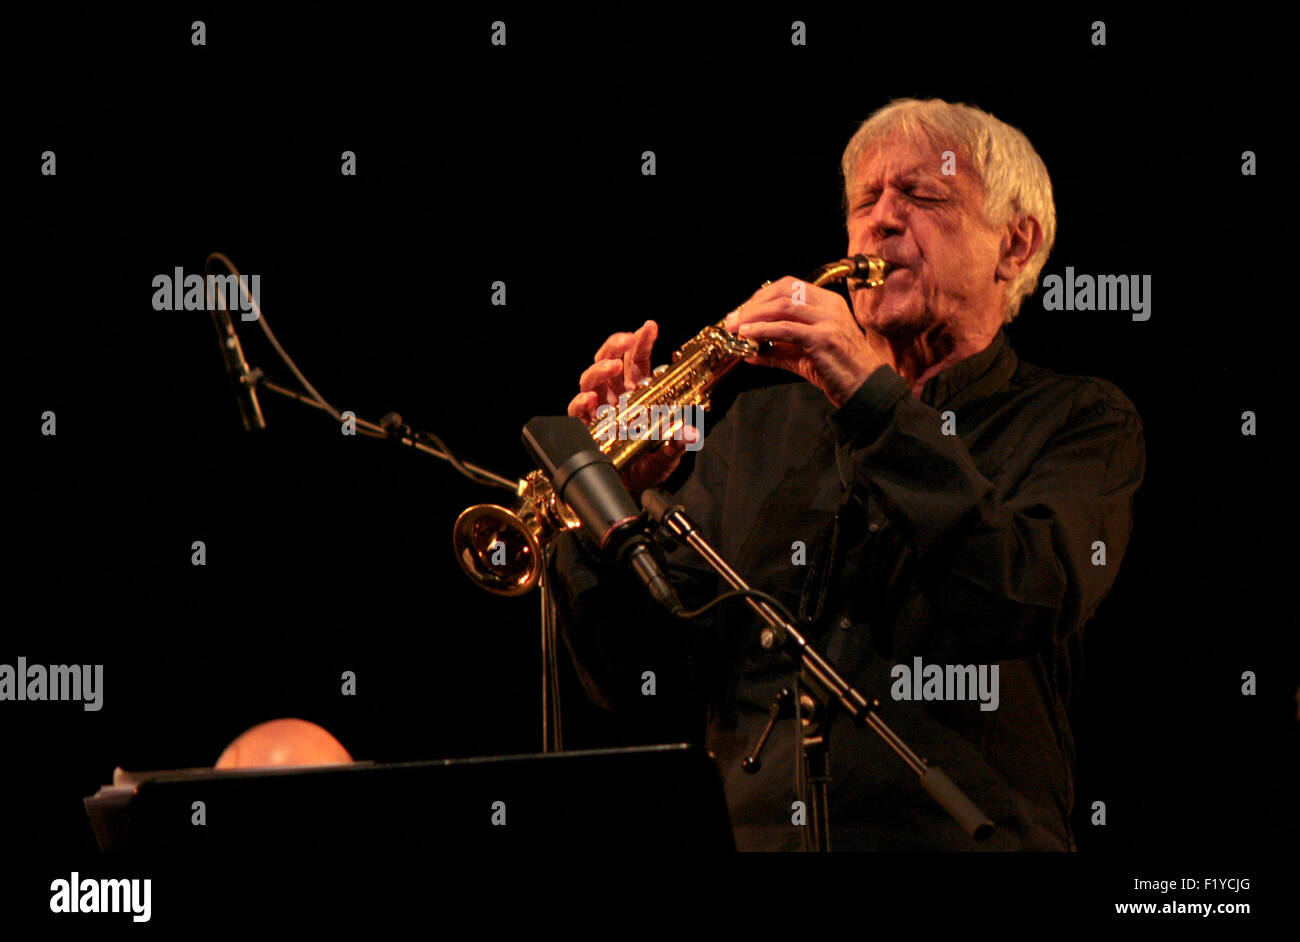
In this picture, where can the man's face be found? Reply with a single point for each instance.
(903, 208)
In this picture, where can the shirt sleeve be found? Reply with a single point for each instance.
(1011, 572)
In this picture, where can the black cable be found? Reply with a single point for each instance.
(739, 594)
(800, 782)
(266, 329)
(429, 438)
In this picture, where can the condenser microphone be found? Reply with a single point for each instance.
(589, 483)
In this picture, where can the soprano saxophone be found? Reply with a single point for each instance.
(504, 550)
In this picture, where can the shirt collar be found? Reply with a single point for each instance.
(973, 378)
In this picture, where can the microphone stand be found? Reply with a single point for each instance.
(392, 428)
(826, 685)
(389, 427)
(552, 740)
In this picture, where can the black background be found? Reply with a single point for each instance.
(523, 164)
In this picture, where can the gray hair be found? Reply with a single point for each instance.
(1012, 175)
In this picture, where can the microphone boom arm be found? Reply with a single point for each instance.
(781, 635)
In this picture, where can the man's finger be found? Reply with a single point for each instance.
(781, 355)
(583, 406)
(599, 374)
(604, 379)
(615, 346)
(776, 309)
(653, 470)
(636, 361)
(791, 332)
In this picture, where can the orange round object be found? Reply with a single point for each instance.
(281, 743)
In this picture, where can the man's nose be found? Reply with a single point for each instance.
(887, 217)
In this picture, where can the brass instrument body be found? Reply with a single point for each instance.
(654, 413)
(657, 410)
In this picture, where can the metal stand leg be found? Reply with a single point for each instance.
(815, 750)
(552, 737)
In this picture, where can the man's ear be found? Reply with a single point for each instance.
(1019, 243)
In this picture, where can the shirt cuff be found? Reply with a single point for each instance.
(877, 395)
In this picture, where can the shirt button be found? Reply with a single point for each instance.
(846, 623)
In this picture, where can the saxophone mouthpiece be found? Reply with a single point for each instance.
(871, 269)
(869, 265)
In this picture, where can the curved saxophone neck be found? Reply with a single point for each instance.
(868, 269)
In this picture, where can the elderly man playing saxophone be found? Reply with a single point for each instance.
(925, 501)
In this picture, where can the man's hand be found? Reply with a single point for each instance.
(621, 363)
(818, 339)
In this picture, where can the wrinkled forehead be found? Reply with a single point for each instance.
(900, 156)
(900, 151)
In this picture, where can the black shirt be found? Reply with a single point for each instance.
(981, 524)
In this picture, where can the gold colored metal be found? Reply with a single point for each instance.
(503, 550)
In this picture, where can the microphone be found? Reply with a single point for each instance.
(588, 482)
(250, 410)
